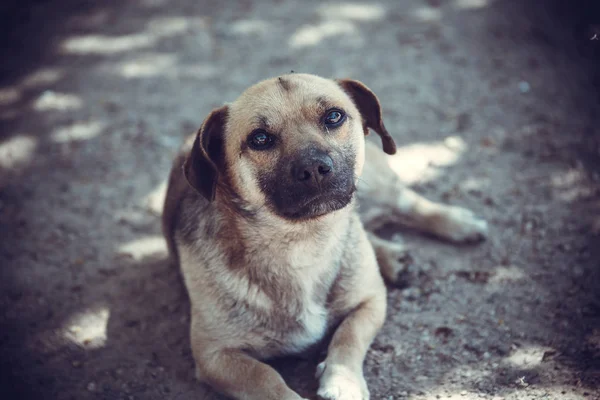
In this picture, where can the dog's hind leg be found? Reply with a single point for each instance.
(395, 203)
(452, 223)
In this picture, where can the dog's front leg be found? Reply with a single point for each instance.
(238, 375)
(341, 374)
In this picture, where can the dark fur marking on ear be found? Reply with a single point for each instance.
(368, 105)
(205, 162)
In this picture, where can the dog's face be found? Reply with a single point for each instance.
(294, 144)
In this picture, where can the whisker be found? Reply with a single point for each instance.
(363, 181)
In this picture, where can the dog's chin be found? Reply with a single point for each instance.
(316, 207)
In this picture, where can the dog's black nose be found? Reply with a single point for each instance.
(313, 168)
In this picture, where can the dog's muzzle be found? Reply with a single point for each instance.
(314, 184)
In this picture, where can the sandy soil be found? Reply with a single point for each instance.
(493, 104)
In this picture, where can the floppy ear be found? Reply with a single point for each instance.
(370, 110)
(201, 168)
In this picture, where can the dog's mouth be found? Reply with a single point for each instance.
(318, 205)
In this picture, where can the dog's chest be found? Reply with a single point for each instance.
(303, 310)
(288, 286)
(312, 322)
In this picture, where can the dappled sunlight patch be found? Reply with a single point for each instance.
(427, 14)
(421, 162)
(249, 27)
(9, 96)
(42, 77)
(77, 132)
(507, 274)
(54, 101)
(147, 65)
(353, 11)
(17, 151)
(311, 35)
(103, 44)
(141, 248)
(573, 185)
(471, 4)
(475, 184)
(338, 19)
(155, 200)
(88, 328)
(577, 193)
(164, 65)
(156, 29)
(527, 357)
(568, 178)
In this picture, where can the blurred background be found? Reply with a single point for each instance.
(494, 105)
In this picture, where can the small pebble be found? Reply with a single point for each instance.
(524, 87)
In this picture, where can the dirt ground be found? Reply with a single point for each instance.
(493, 104)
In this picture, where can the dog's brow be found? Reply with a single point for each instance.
(324, 104)
(261, 121)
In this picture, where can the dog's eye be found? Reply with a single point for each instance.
(334, 118)
(260, 140)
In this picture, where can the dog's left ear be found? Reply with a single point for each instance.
(202, 166)
(370, 110)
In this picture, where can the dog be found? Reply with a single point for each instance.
(261, 214)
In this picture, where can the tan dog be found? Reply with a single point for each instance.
(261, 215)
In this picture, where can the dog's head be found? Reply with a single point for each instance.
(294, 143)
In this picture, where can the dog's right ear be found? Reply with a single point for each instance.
(370, 110)
(207, 158)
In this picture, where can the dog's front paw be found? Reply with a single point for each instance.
(338, 382)
(461, 225)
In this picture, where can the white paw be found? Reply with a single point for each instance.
(462, 225)
(340, 383)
